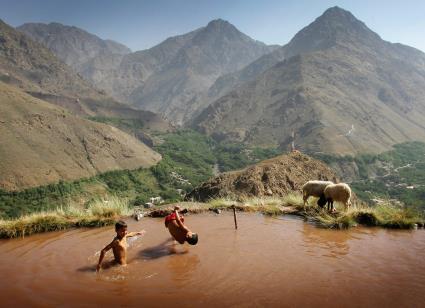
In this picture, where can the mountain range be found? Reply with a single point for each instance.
(44, 133)
(72, 45)
(33, 68)
(336, 86)
(169, 78)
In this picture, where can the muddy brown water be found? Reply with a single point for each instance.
(281, 262)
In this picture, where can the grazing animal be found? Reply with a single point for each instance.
(340, 192)
(314, 188)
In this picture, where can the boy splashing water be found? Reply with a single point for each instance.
(175, 225)
(118, 244)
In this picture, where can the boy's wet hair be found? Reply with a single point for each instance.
(193, 239)
(119, 225)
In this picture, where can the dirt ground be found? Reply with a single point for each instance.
(274, 177)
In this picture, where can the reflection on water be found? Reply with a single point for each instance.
(266, 262)
(166, 248)
(333, 243)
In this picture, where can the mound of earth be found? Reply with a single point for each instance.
(273, 177)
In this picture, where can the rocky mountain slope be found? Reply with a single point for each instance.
(171, 77)
(72, 45)
(342, 89)
(33, 68)
(214, 50)
(41, 143)
(273, 177)
(321, 34)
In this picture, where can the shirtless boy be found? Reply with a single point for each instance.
(118, 244)
(175, 225)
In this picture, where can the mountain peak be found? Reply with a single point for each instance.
(339, 19)
(219, 23)
(221, 26)
(341, 24)
(337, 12)
(334, 26)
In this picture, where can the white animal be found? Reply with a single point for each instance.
(155, 200)
(340, 192)
(148, 205)
(314, 188)
(137, 214)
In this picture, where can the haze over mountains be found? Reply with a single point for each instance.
(36, 70)
(336, 84)
(72, 45)
(168, 78)
(340, 88)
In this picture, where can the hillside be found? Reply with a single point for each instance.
(41, 143)
(335, 25)
(34, 69)
(397, 175)
(169, 78)
(273, 177)
(72, 45)
(214, 50)
(347, 91)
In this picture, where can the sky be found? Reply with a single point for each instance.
(145, 23)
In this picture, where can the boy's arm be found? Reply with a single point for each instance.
(130, 234)
(102, 254)
(178, 220)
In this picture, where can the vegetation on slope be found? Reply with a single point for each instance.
(194, 155)
(132, 125)
(188, 160)
(397, 174)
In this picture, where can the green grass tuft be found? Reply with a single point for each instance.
(98, 213)
(386, 215)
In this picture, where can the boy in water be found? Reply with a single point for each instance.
(118, 244)
(175, 225)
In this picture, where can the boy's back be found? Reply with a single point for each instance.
(178, 230)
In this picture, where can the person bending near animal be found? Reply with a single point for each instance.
(118, 245)
(175, 225)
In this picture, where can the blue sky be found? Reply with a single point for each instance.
(143, 24)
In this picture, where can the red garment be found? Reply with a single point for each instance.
(171, 217)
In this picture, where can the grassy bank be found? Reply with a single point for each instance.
(101, 213)
(98, 213)
(385, 215)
